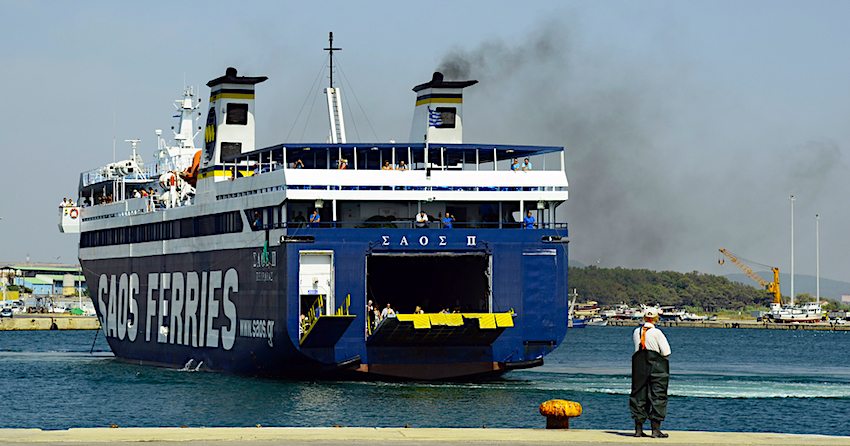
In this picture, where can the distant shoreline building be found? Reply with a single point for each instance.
(845, 298)
(45, 279)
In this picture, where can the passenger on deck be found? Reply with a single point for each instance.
(63, 203)
(386, 166)
(387, 311)
(257, 169)
(401, 165)
(144, 193)
(315, 219)
(526, 166)
(418, 310)
(422, 220)
(447, 221)
(528, 221)
(300, 219)
(302, 325)
(515, 165)
(258, 222)
(343, 164)
(299, 164)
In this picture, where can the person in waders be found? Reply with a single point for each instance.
(650, 376)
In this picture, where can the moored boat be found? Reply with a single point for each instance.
(597, 322)
(808, 312)
(578, 323)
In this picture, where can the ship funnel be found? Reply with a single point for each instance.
(439, 107)
(230, 120)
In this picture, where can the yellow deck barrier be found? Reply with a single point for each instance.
(485, 320)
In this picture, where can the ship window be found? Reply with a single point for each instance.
(262, 218)
(237, 114)
(230, 149)
(224, 223)
(447, 117)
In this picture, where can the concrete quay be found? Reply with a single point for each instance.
(745, 324)
(356, 436)
(39, 321)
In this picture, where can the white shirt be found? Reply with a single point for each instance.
(421, 218)
(386, 312)
(655, 340)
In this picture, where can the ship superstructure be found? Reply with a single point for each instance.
(280, 260)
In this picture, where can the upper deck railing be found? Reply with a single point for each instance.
(95, 176)
(448, 157)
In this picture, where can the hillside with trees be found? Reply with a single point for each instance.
(611, 286)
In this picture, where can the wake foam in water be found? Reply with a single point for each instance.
(704, 386)
(188, 366)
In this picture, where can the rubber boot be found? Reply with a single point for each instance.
(656, 429)
(639, 429)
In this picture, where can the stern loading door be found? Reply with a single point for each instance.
(315, 281)
(539, 282)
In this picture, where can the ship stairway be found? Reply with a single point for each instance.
(322, 331)
(326, 331)
(440, 330)
(337, 124)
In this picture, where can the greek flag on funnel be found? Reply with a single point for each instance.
(435, 118)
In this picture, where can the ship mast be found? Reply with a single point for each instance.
(337, 125)
(330, 49)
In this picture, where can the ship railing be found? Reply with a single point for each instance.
(427, 157)
(95, 176)
(404, 224)
(122, 208)
(306, 184)
(316, 311)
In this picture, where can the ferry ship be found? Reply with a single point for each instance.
(276, 261)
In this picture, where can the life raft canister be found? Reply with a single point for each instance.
(74, 213)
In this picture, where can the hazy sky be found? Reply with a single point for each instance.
(686, 124)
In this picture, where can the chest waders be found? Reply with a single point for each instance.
(650, 377)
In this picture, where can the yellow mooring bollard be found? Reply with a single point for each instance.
(559, 412)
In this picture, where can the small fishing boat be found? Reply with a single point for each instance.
(597, 322)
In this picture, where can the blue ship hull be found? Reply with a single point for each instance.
(240, 310)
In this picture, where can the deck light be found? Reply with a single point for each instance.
(319, 203)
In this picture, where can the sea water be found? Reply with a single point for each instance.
(722, 380)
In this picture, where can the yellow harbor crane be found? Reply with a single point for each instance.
(772, 288)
